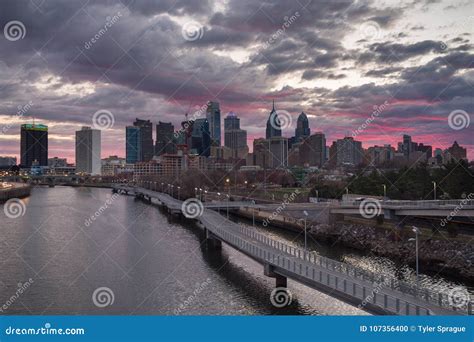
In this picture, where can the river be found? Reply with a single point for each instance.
(148, 263)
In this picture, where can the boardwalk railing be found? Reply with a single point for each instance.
(429, 296)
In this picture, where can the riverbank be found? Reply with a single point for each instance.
(16, 190)
(450, 258)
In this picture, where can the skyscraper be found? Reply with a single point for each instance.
(234, 137)
(200, 138)
(133, 145)
(146, 139)
(164, 138)
(231, 122)
(213, 116)
(302, 127)
(34, 145)
(273, 124)
(312, 150)
(346, 151)
(88, 150)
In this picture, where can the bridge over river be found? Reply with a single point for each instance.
(376, 293)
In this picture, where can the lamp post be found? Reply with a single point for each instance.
(162, 187)
(253, 214)
(200, 194)
(317, 196)
(195, 192)
(416, 231)
(228, 198)
(305, 234)
(178, 191)
(434, 189)
(218, 207)
(384, 191)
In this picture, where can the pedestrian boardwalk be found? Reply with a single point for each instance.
(374, 292)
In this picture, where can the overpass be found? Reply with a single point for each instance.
(374, 292)
(391, 209)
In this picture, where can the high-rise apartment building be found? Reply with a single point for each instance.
(88, 150)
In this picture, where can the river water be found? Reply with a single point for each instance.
(145, 262)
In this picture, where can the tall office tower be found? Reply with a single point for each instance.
(231, 122)
(302, 127)
(133, 144)
(278, 147)
(164, 138)
(34, 145)
(347, 151)
(88, 151)
(213, 116)
(406, 146)
(313, 150)
(234, 137)
(200, 138)
(273, 124)
(146, 136)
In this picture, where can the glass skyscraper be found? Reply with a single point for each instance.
(213, 116)
(34, 145)
(132, 144)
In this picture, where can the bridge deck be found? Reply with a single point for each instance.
(377, 293)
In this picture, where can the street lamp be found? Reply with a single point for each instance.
(416, 231)
(305, 234)
(218, 198)
(195, 192)
(200, 194)
(162, 187)
(253, 214)
(384, 191)
(228, 199)
(178, 191)
(434, 189)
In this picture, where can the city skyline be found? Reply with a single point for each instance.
(335, 62)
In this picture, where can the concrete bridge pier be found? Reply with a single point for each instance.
(211, 241)
(280, 281)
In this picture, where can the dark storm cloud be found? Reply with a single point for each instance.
(143, 65)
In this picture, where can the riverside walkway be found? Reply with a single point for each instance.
(373, 292)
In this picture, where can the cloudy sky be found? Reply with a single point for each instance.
(409, 62)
